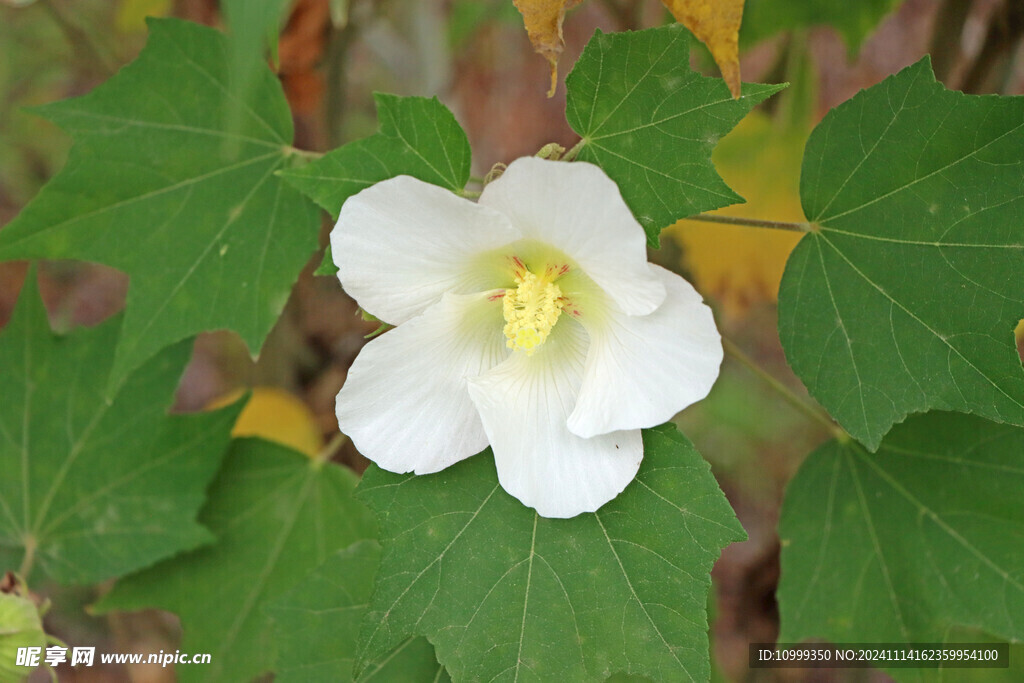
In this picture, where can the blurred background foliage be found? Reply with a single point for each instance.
(331, 55)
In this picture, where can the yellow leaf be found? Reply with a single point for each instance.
(275, 415)
(131, 14)
(716, 23)
(543, 21)
(737, 265)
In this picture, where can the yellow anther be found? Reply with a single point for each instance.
(531, 310)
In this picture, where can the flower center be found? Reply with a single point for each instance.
(531, 310)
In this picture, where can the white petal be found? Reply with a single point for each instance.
(578, 209)
(400, 244)
(642, 370)
(405, 403)
(524, 403)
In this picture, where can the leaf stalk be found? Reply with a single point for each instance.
(752, 222)
(328, 451)
(100, 59)
(574, 150)
(790, 397)
(302, 153)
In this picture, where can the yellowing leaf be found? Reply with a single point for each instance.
(739, 265)
(131, 14)
(543, 21)
(276, 415)
(716, 23)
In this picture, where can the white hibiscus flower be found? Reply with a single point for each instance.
(529, 320)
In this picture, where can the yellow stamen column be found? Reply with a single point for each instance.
(531, 310)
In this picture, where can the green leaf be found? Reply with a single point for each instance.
(1014, 673)
(853, 20)
(96, 489)
(327, 266)
(317, 623)
(418, 137)
(277, 515)
(20, 627)
(504, 594)
(905, 296)
(253, 30)
(157, 186)
(651, 122)
(906, 543)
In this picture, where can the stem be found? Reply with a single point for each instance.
(622, 15)
(752, 222)
(571, 154)
(945, 43)
(302, 153)
(330, 449)
(1005, 27)
(1017, 58)
(103, 62)
(794, 113)
(336, 100)
(810, 411)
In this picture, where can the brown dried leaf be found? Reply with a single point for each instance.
(716, 23)
(302, 47)
(543, 21)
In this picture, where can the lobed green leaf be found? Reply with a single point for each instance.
(904, 297)
(906, 544)
(92, 488)
(504, 594)
(276, 515)
(651, 122)
(172, 180)
(317, 626)
(418, 137)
